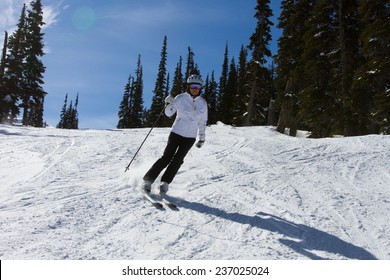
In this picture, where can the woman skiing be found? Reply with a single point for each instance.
(190, 121)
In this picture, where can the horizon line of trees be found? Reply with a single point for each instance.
(331, 74)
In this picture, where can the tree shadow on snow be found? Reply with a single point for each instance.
(300, 238)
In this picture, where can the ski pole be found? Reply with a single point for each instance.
(128, 166)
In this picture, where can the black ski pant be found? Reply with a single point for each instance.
(173, 157)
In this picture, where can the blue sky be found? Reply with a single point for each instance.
(92, 46)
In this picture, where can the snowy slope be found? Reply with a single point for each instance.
(248, 193)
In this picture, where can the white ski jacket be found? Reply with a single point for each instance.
(191, 115)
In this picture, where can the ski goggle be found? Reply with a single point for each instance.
(195, 86)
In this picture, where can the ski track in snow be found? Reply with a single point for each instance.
(248, 193)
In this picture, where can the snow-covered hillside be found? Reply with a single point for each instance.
(248, 193)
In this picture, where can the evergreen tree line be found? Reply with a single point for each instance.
(333, 66)
(330, 74)
(21, 69)
(69, 115)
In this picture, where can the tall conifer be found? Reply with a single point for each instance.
(124, 107)
(13, 80)
(210, 92)
(33, 94)
(159, 89)
(373, 76)
(259, 76)
(290, 78)
(228, 106)
(191, 68)
(4, 103)
(318, 99)
(242, 95)
(223, 82)
(177, 86)
(136, 105)
(61, 123)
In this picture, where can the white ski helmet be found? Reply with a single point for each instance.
(195, 79)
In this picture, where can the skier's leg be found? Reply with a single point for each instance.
(165, 159)
(178, 159)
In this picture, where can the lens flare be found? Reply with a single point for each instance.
(84, 18)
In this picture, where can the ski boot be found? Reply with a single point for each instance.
(146, 187)
(164, 187)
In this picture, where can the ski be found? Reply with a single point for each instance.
(168, 203)
(159, 201)
(154, 202)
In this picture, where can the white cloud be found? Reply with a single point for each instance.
(51, 12)
(10, 11)
(50, 15)
(9, 14)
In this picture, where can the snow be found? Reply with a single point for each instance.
(249, 193)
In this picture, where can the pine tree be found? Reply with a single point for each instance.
(75, 116)
(177, 86)
(191, 68)
(131, 111)
(159, 89)
(136, 102)
(69, 116)
(373, 76)
(259, 76)
(272, 116)
(228, 106)
(23, 70)
(33, 94)
(210, 92)
(290, 71)
(124, 110)
(4, 103)
(13, 80)
(349, 25)
(242, 88)
(61, 124)
(223, 83)
(190, 65)
(318, 100)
